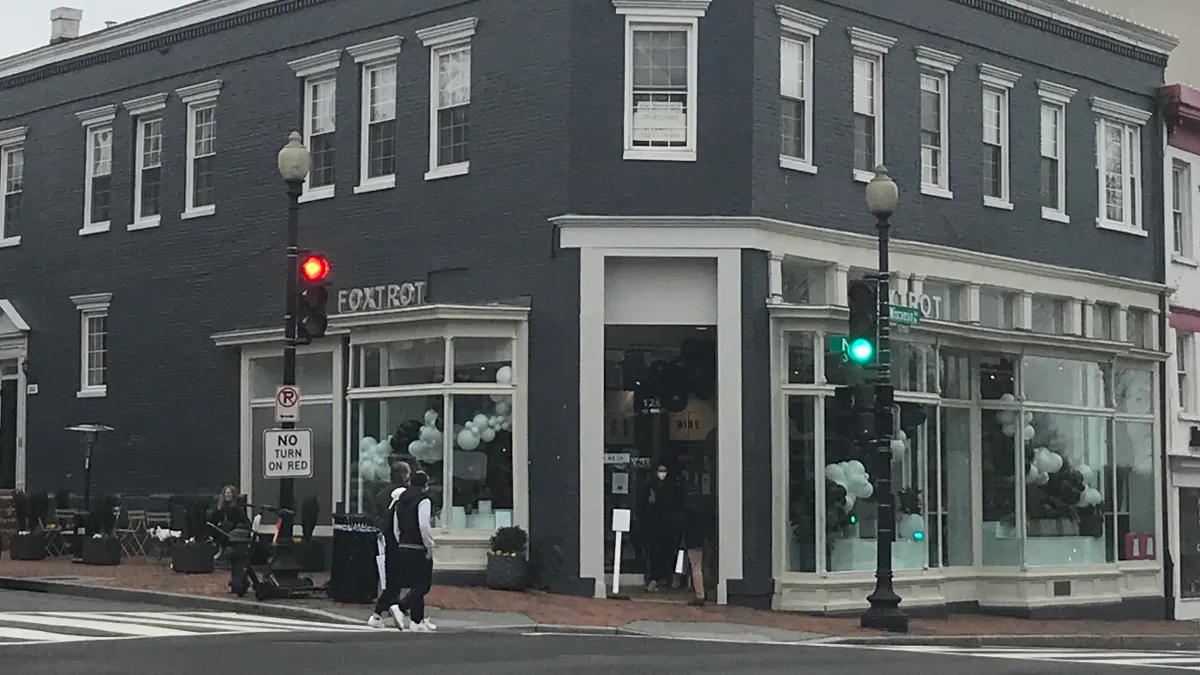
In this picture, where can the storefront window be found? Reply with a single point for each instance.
(996, 307)
(1066, 382)
(801, 357)
(955, 374)
(1133, 450)
(914, 366)
(389, 430)
(997, 377)
(802, 516)
(314, 375)
(1189, 542)
(1001, 543)
(1104, 319)
(1133, 390)
(804, 282)
(1137, 327)
(403, 362)
(954, 520)
(482, 465)
(480, 359)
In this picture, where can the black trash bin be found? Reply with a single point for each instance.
(353, 575)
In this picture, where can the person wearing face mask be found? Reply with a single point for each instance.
(661, 516)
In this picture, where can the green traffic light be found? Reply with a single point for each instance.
(918, 535)
(861, 350)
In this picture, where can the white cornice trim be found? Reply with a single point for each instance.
(146, 104)
(92, 302)
(1120, 111)
(448, 33)
(673, 8)
(102, 115)
(13, 136)
(937, 59)
(325, 63)
(998, 77)
(1055, 93)
(204, 92)
(377, 51)
(794, 21)
(1103, 23)
(869, 42)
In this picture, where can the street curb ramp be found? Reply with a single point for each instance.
(177, 600)
(1092, 642)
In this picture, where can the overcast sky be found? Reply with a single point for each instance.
(25, 24)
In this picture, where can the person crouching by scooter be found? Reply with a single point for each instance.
(414, 542)
(391, 576)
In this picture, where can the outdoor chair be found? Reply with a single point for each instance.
(155, 520)
(134, 534)
(64, 520)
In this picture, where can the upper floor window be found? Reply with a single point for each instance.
(200, 195)
(147, 157)
(1104, 321)
(936, 67)
(12, 184)
(1055, 98)
(1181, 208)
(319, 114)
(93, 343)
(798, 30)
(1119, 165)
(377, 127)
(997, 307)
(869, 50)
(1138, 328)
(997, 83)
(1185, 356)
(1048, 315)
(450, 97)
(97, 188)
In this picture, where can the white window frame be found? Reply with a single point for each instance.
(1057, 96)
(370, 57)
(1183, 242)
(91, 306)
(938, 65)
(874, 47)
(11, 140)
(1130, 120)
(803, 29)
(1000, 81)
(439, 40)
(197, 97)
(144, 110)
(674, 15)
(1185, 371)
(312, 70)
(95, 121)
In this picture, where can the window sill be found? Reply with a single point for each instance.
(145, 223)
(199, 212)
(376, 184)
(936, 191)
(1056, 216)
(1184, 260)
(1120, 227)
(863, 176)
(448, 171)
(659, 155)
(95, 228)
(9, 242)
(92, 392)
(997, 203)
(1185, 416)
(796, 164)
(317, 194)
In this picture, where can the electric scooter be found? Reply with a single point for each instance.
(243, 576)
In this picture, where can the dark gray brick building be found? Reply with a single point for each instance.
(574, 241)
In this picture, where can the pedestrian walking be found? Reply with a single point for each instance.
(414, 538)
(391, 575)
(661, 525)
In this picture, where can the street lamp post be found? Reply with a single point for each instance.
(294, 163)
(884, 612)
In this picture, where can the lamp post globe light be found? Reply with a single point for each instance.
(884, 612)
(294, 160)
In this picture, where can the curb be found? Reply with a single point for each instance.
(1119, 642)
(177, 600)
(564, 629)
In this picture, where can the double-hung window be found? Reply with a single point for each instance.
(147, 113)
(449, 97)
(97, 188)
(377, 123)
(319, 112)
(869, 50)
(1119, 165)
(12, 184)
(1185, 360)
(1181, 209)
(1055, 98)
(200, 194)
(798, 31)
(93, 343)
(936, 67)
(997, 83)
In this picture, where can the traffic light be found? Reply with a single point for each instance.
(862, 333)
(311, 318)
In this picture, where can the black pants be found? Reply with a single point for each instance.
(661, 547)
(395, 582)
(419, 571)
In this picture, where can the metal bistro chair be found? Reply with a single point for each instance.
(64, 520)
(155, 520)
(135, 533)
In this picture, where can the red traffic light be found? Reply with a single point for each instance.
(314, 268)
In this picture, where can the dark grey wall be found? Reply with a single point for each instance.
(832, 199)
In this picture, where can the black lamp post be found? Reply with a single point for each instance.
(884, 612)
(91, 434)
(294, 163)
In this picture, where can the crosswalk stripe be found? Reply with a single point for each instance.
(1177, 660)
(140, 630)
(183, 621)
(281, 622)
(19, 635)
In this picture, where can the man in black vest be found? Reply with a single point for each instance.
(392, 576)
(414, 543)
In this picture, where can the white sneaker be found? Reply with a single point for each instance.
(399, 618)
(423, 627)
(429, 623)
(375, 621)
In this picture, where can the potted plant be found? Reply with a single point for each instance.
(309, 552)
(29, 541)
(507, 568)
(102, 547)
(195, 553)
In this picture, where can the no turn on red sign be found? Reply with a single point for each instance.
(287, 403)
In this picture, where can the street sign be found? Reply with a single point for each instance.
(904, 316)
(287, 453)
(838, 344)
(287, 403)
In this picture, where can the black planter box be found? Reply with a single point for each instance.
(30, 546)
(193, 558)
(102, 551)
(507, 572)
(310, 555)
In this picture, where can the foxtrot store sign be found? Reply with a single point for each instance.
(381, 298)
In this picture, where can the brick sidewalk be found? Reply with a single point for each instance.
(146, 574)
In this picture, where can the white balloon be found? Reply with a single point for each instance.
(507, 425)
(1055, 462)
(1087, 472)
(481, 420)
(1090, 497)
(496, 398)
(1032, 476)
(431, 417)
(495, 421)
(1042, 478)
(1008, 430)
(366, 444)
(428, 433)
(488, 434)
(903, 436)
(504, 375)
(1028, 418)
(849, 501)
(1008, 398)
(898, 447)
(1006, 417)
(467, 440)
(835, 473)
(383, 450)
(471, 426)
(863, 490)
(503, 409)
(856, 466)
(1029, 432)
(416, 448)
